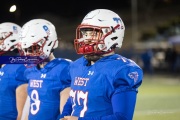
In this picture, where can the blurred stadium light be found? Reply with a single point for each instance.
(12, 8)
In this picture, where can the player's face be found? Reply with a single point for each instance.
(91, 35)
(32, 50)
(3, 36)
(1, 40)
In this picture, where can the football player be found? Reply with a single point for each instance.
(104, 84)
(11, 90)
(49, 80)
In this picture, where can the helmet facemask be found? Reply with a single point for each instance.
(38, 48)
(6, 43)
(92, 40)
(3, 37)
(34, 50)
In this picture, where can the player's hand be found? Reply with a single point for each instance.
(63, 119)
(69, 118)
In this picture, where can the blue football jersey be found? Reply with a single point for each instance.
(92, 87)
(44, 87)
(8, 85)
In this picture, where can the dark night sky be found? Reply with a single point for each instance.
(63, 8)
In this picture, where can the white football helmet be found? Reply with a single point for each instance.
(38, 37)
(107, 32)
(9, 36)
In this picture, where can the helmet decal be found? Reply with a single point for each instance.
(117, 19)
(46, 29)
(15, 29)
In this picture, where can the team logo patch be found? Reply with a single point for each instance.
(46, 29)
(15, 29)
(134, 76)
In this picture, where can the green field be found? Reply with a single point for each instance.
(158, 98)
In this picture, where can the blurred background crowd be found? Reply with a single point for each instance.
(152, 35)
